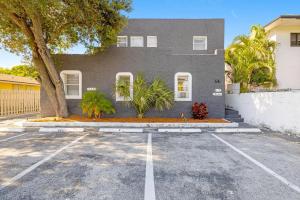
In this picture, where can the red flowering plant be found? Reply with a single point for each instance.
(199, 110)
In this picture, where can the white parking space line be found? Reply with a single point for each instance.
(266, 169)
(149, 180)
(34, 166)
(9, 138)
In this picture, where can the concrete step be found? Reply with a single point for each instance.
(235, 119)
(233, 116)
(245, 125)
(230, 111)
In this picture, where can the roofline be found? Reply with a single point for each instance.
(283, 17)
(176, 19)
(19, 82)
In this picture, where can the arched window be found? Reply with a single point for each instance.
(127, 79)
(72, 80)
(183, 86)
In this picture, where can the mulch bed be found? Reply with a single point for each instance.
(77, 118)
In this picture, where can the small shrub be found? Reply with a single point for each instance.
(95, 103)
(199, 111)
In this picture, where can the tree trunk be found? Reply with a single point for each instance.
(57, 82)
(46, 83)
(48, 62)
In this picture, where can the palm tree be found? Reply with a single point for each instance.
(156, 95)
(251, 59)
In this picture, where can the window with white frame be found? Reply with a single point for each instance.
(72, 80)
(183, 86)
(199, 42)
(124, 81)
(137, 41)
(151, 41)
(122, 41)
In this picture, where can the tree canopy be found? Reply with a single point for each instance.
(40, 28)
(63, 23)
(251, 59)
(21, 70)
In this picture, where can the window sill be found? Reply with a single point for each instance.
(73, 97)
(122, 100)
(182, 99)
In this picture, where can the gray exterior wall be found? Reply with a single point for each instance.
(173, 54)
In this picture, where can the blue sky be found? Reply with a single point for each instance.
(239, 15)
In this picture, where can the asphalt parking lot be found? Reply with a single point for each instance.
(162, 166)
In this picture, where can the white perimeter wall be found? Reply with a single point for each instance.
(277, 110)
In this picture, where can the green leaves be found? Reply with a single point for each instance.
(95, 103)
(21, 70)
(146, 96)
(65, 23)
(251, 59)
(161, 94)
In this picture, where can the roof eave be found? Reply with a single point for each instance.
(272, 24)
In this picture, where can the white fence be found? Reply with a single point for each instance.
(276, 110)
(17, 102)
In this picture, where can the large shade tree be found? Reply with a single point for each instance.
(40, 28)
(251, 59)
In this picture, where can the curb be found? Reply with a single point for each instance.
(122, 130)
(179, 130)
(237, 130)
(126, 125)
(7, 129)
(60, 130)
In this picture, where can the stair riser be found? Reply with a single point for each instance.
(233, 116)
(235, 119)
(231, 112)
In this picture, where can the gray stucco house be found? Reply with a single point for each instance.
(186, 53)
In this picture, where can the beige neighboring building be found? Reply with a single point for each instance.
(285, 30)
(11, 82)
